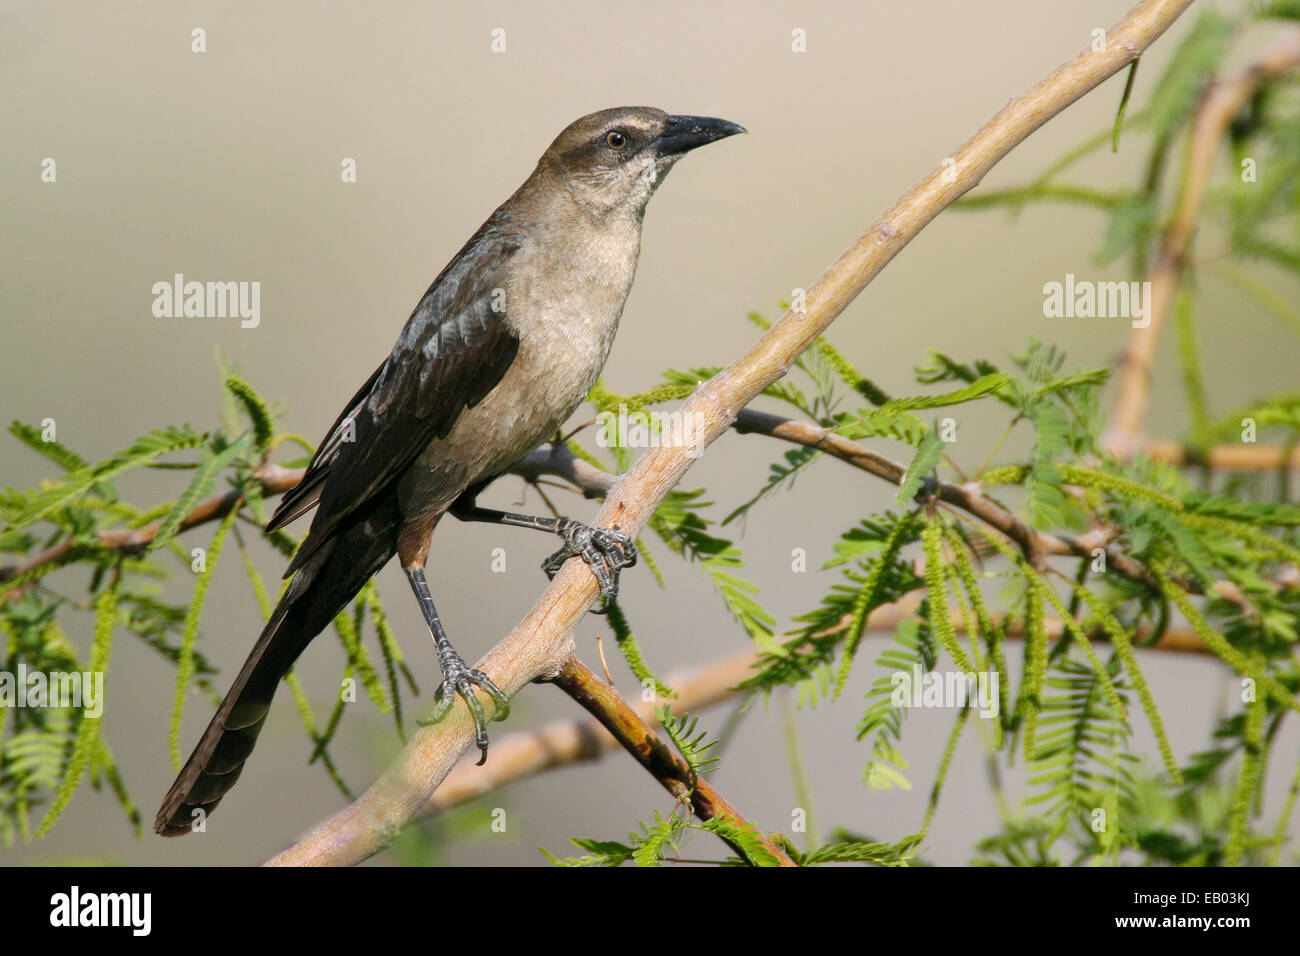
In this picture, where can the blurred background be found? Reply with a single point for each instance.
(226, 165)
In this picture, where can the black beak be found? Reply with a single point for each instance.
(684, 133)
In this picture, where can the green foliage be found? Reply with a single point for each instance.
(989, 384)
(1281, 9)
(600, 853)
(1047, 501)
(1069, 712)
(46, 753)
(873, 575)
(858, 543)
(211, 464)
(745, 838)
(144, 450)
(32, 437)
(185, 666)
(779, 473)
(1128, 550)
(257, 409)
(914, 647)
(693, 747)
(649, 847)
(631, 651)
(1123, 105)
(1222, 538)
(936, 586)
(1197, 57)
(679, 523)
(923, 462)
(661, 841)
(881, 854)
(1078, 766)
(86, 753)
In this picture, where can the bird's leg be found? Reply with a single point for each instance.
(457, 676)
(607, 551)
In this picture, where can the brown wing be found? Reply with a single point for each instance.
(454, 349)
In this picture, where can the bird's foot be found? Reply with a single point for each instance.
(607, 551)
(459, 678)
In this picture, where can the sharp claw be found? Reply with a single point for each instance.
(465, 688)
(499, 699)
(442, 702)
(606, 551)
(459, 680)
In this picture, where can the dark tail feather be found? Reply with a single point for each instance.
(329, 580)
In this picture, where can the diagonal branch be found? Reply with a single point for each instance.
(968, 497)
(526, 753)
(1218, 107)
(604, 703)
(562, 743)
(1225, 457)
(557, 460)
(541, 646)
(274, 479)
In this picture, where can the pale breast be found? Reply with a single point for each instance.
(565, 309)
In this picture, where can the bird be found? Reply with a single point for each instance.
(497, 354)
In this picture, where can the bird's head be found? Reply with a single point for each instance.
(612, 161)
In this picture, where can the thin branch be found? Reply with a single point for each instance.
(969, 497)
(886, 618)
(274, 479)
(1226, 457)
(527, 753)
(592, 482)
(604, 703)
(522, 754)
(542, 644)
(1218, 107)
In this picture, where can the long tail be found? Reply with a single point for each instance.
(321, 589)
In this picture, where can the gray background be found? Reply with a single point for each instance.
(226, 166)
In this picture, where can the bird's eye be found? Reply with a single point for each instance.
(616, 140)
